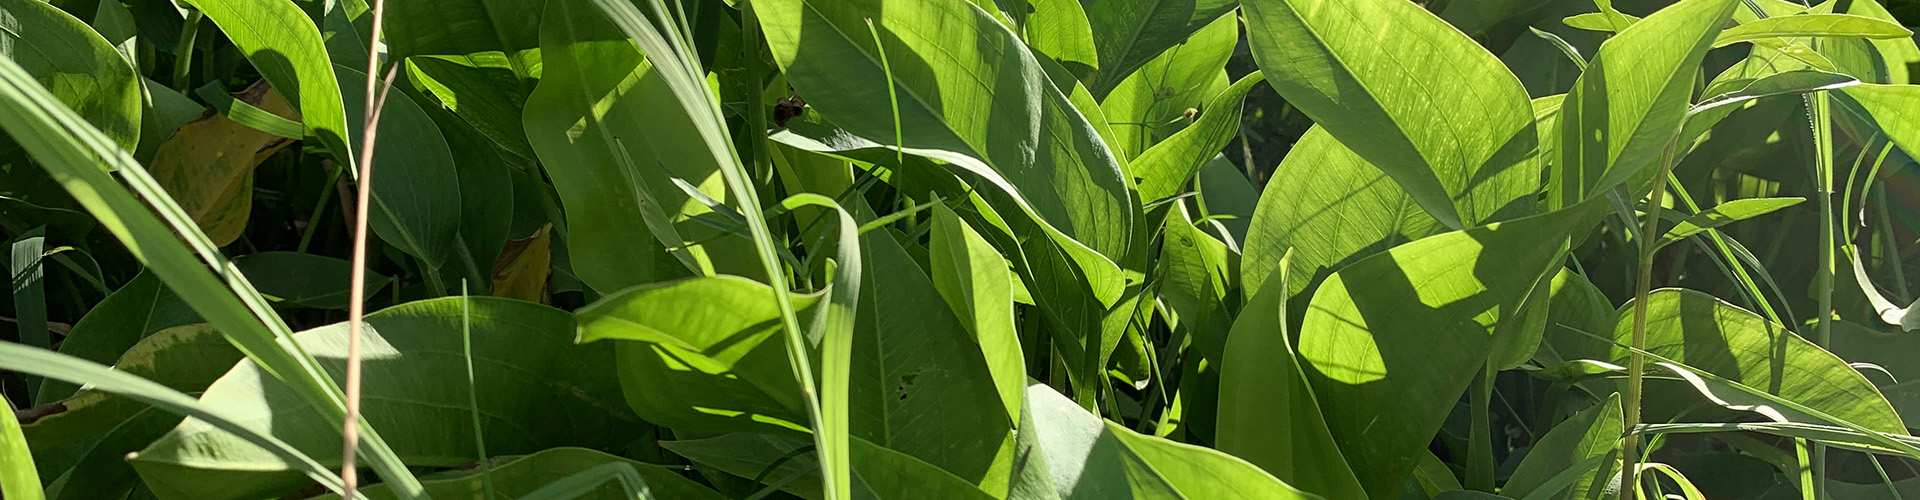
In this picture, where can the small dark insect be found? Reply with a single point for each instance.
(788, 108)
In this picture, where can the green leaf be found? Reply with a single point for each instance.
(920, 385)
(469, 29)
(1168, 166)
(878, 472)
(704, 354)
(1629, 104)
(1597, 21)
(612, 138)
(24, 359)
(483, 90)
(18, 479)
(1268, 414)
(1790, 82)
(137, 309)
(1153, 103)
(1229, 198)
(1128, 34)
(750, 455)
(305, 280)
(1060, 30)
(81, 68)
(1896, 56)
(416, 193)
(1713, 336)
(1332, 208)
(486, 198)
(1391, 342)
(1410, 94)
(1726, 213)
(1811, 25)
(96, 430)
(519, 476)
(1091, 458)
(1029, 142)
(1591, 433)
(285, 46)
(974, 281)
(72, 151)
(416, 390)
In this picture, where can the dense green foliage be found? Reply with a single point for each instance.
(986, 249)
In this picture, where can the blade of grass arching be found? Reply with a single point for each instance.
(54, 365)
(1838, 437)
(18, 479)
(1733, 262)
(1696, 377)
(72, 152)
(473, 394)
(678, 67)
(29, 286)
(581, 483)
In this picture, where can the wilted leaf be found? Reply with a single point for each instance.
(208, 164)
(521, 270)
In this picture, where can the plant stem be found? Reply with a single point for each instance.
(1637, 363)
(183, 51)
(1818, 112)
(319, 209)
(1480, 436)
(356, 288)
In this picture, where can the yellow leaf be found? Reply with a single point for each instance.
(521, 271)
(208, 164)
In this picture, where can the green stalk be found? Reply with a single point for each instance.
(183, 52)
(1819, 113)
(1480, 439)
(1637, 363)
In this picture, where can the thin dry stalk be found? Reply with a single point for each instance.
(356, 305)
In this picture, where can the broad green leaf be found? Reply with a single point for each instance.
(1629, 104)
(1713, 336)
(1332, 208)
(1725, 213)
(1895, 58)
(1168, 166)
(1791, 82)
(1268, 414)
(81, 68)
(416, 190)
(1227, 195)
(72, 152)
(703, 353)
(1574, 305)
(971, 95)
(1811, 25)
(1391, 342)
(1090, 458)
(612, 138)
(878, 472)
(483, 90)
(45, 363)
(18, 479)
(1410, 94)
(139, 308)
(519, 476)
(974, 281)
(920, 384)
(486, 197)
(305, 280)
(415, 390)
(1059, 29)
(1592, 433)
(87, 442)
(285, 46)
(1153, 103)
(1128, 34)
(468, 29)
(208, 165)
(1597, 21)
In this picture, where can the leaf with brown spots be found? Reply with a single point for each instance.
(208, 164)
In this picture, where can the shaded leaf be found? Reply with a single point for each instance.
(521, 270)
(306, 280)
(82, 69)
(519, 476)
(208, 164)
(1725, 213)
(1591, 433)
